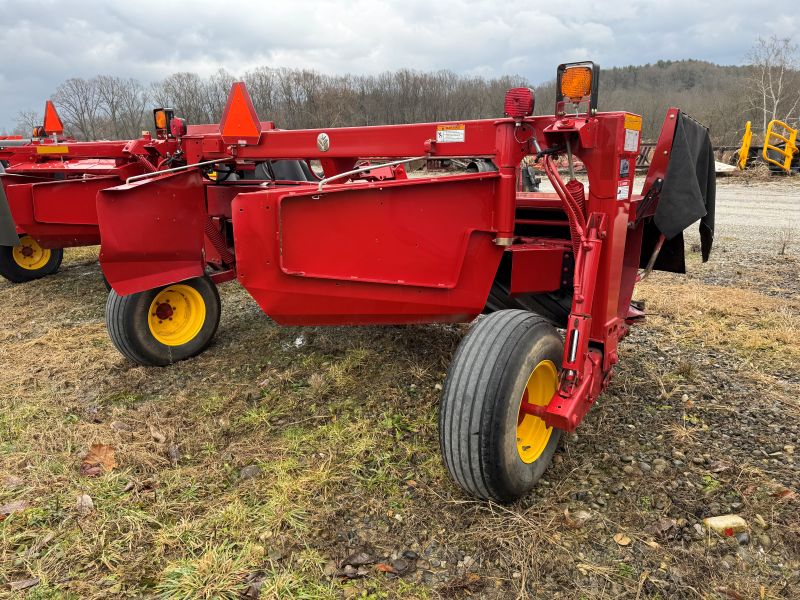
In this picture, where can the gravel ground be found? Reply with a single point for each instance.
(303, 462)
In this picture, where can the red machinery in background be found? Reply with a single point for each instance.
(362, 244)
(50, 185)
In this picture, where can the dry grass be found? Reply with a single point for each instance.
(761, 329)
(342, 428)
(757, 172)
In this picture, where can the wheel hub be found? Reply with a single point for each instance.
(533, 434)
(164, 311)
(30, 255)
(176, 315)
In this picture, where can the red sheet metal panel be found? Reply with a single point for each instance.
(20, 202)
(392, 234)
(537, 266)
(50, 235)
(152, 231)
(71, 201)
(348, 256)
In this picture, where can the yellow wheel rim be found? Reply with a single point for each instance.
(176, 315)
(29, 255)
(532, 433)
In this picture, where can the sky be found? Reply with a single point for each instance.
(45, 42)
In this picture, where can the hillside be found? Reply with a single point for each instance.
(712, 94)
(107, 107)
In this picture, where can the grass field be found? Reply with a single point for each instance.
(258, 467)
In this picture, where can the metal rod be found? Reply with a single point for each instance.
(569, 160)
(653, 257)
(175, 169)
(366, 168)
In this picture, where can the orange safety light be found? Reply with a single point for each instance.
(160, 117)
(577, 83)
(52, 122)
(240, 124)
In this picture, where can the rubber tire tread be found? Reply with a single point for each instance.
(127, 327)
(555, 307)
(478, 372)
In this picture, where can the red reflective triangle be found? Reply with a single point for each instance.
(239, 121)
(52, 122)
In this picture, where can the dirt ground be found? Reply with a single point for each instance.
(303, 463)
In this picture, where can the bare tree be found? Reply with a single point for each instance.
(133, 101)
(78, 102)
(217, 87)
(109, 92)
(25, 122)
(186, 93)
(774, 79)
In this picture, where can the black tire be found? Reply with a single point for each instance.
(480, 404)
(127, 320)
(12, 270)
(553, 306)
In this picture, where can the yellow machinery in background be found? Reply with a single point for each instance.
(779, 149)
(781, 143)
(744, 149)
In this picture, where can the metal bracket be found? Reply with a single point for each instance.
(650, 198)
(567, 271)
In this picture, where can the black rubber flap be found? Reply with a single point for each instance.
(688, 195)
(8, 231)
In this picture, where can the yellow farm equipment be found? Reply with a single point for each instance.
(780, 149)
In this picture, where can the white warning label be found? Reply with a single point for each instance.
(446, 134)
(631, 140)
(623, 190)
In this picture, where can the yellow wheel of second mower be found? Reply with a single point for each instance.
(165, 325)
(28, 260)
(29, 255)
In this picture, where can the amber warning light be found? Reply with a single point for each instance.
(577, 84)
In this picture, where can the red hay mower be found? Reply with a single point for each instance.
(188, 208)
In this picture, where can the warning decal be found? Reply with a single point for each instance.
(623, 190)
(631, 140)
(446, 134)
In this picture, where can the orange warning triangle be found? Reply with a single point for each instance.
(52, 122)
(239, 121)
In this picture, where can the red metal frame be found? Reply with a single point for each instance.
(369, 249)
(51, 183)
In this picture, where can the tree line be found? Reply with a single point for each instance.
(107, 107)
(721, 97)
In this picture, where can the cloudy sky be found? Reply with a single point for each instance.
(47, 41)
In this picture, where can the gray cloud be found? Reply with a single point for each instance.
(47, 41)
